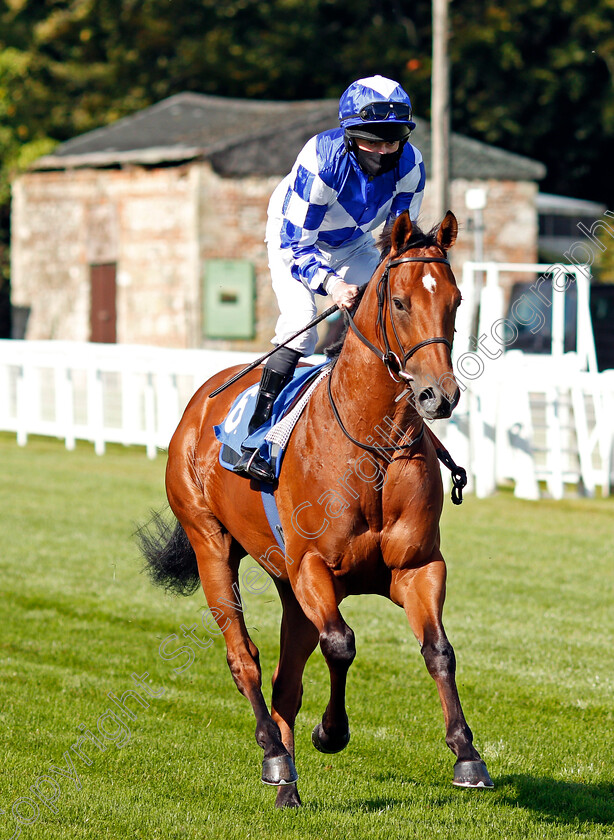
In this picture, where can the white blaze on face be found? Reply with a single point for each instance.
(429, 283)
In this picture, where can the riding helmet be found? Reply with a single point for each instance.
(375, 109)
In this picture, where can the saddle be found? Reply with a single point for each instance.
(270, 439)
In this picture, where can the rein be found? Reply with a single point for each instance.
(390, 359)
(377, 450)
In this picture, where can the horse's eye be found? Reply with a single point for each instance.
(397, 303)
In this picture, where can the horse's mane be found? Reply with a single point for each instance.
(418, 239)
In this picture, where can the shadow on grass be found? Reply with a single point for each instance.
(560, 801)
(555, 801)
(355, 806)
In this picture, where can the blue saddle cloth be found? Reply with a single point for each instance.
(232, 432)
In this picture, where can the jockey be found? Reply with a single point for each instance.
(345, 183)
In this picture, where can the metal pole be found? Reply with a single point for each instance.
(478, 233)
(440, 111)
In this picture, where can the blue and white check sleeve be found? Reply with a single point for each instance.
(305, 205)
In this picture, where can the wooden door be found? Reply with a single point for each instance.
(103, 313)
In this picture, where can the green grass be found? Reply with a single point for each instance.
(529, 612)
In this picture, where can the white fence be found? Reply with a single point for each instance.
(531, 418)
(536, 424)
(524, 419)
(100, 392)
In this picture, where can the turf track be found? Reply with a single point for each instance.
(530, 612)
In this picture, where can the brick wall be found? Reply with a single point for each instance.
(510, 221)
(160, 226)
(232, 223)
(233, 217)
(142, 220)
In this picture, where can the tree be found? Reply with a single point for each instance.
(538, 78)
(531, 76)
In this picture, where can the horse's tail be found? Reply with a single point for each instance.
(169, 558)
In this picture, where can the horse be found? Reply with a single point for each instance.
(359, 497)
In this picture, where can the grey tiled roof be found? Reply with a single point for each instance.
(253, 137)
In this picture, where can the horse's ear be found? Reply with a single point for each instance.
(448, 231)
(401, 233)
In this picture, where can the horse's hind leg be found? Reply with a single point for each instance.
(421, 592)
(218, 564)
(298, 640)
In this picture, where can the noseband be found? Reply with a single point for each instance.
(392, 362)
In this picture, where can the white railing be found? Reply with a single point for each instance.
(530, 418)
(100, 392)
(536, 424)
(524, 420)
(487, 299)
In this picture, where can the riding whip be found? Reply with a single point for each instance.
(259, 361)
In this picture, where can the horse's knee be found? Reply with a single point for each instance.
(338, 646)
(439, 658)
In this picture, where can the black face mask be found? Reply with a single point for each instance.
(374, 164)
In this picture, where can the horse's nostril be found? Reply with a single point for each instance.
(427, 395)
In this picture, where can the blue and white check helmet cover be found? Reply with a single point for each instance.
(365, 91)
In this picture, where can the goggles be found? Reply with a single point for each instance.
(381, 111)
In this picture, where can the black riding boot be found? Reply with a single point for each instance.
(277, 372)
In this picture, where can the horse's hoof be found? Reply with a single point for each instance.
(324, 744)
(287, 797)
(471, 774)
(279, 770)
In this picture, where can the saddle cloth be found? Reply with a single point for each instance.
(271, 438)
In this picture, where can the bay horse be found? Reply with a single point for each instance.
(358, 516)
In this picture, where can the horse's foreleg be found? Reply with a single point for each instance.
(298, 640)
(421, 592)
(219, 575)
(314, 588)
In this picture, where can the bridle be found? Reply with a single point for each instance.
(389, 358)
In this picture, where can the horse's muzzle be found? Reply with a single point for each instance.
(434, 404)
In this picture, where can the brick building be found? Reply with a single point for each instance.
(150, 230)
